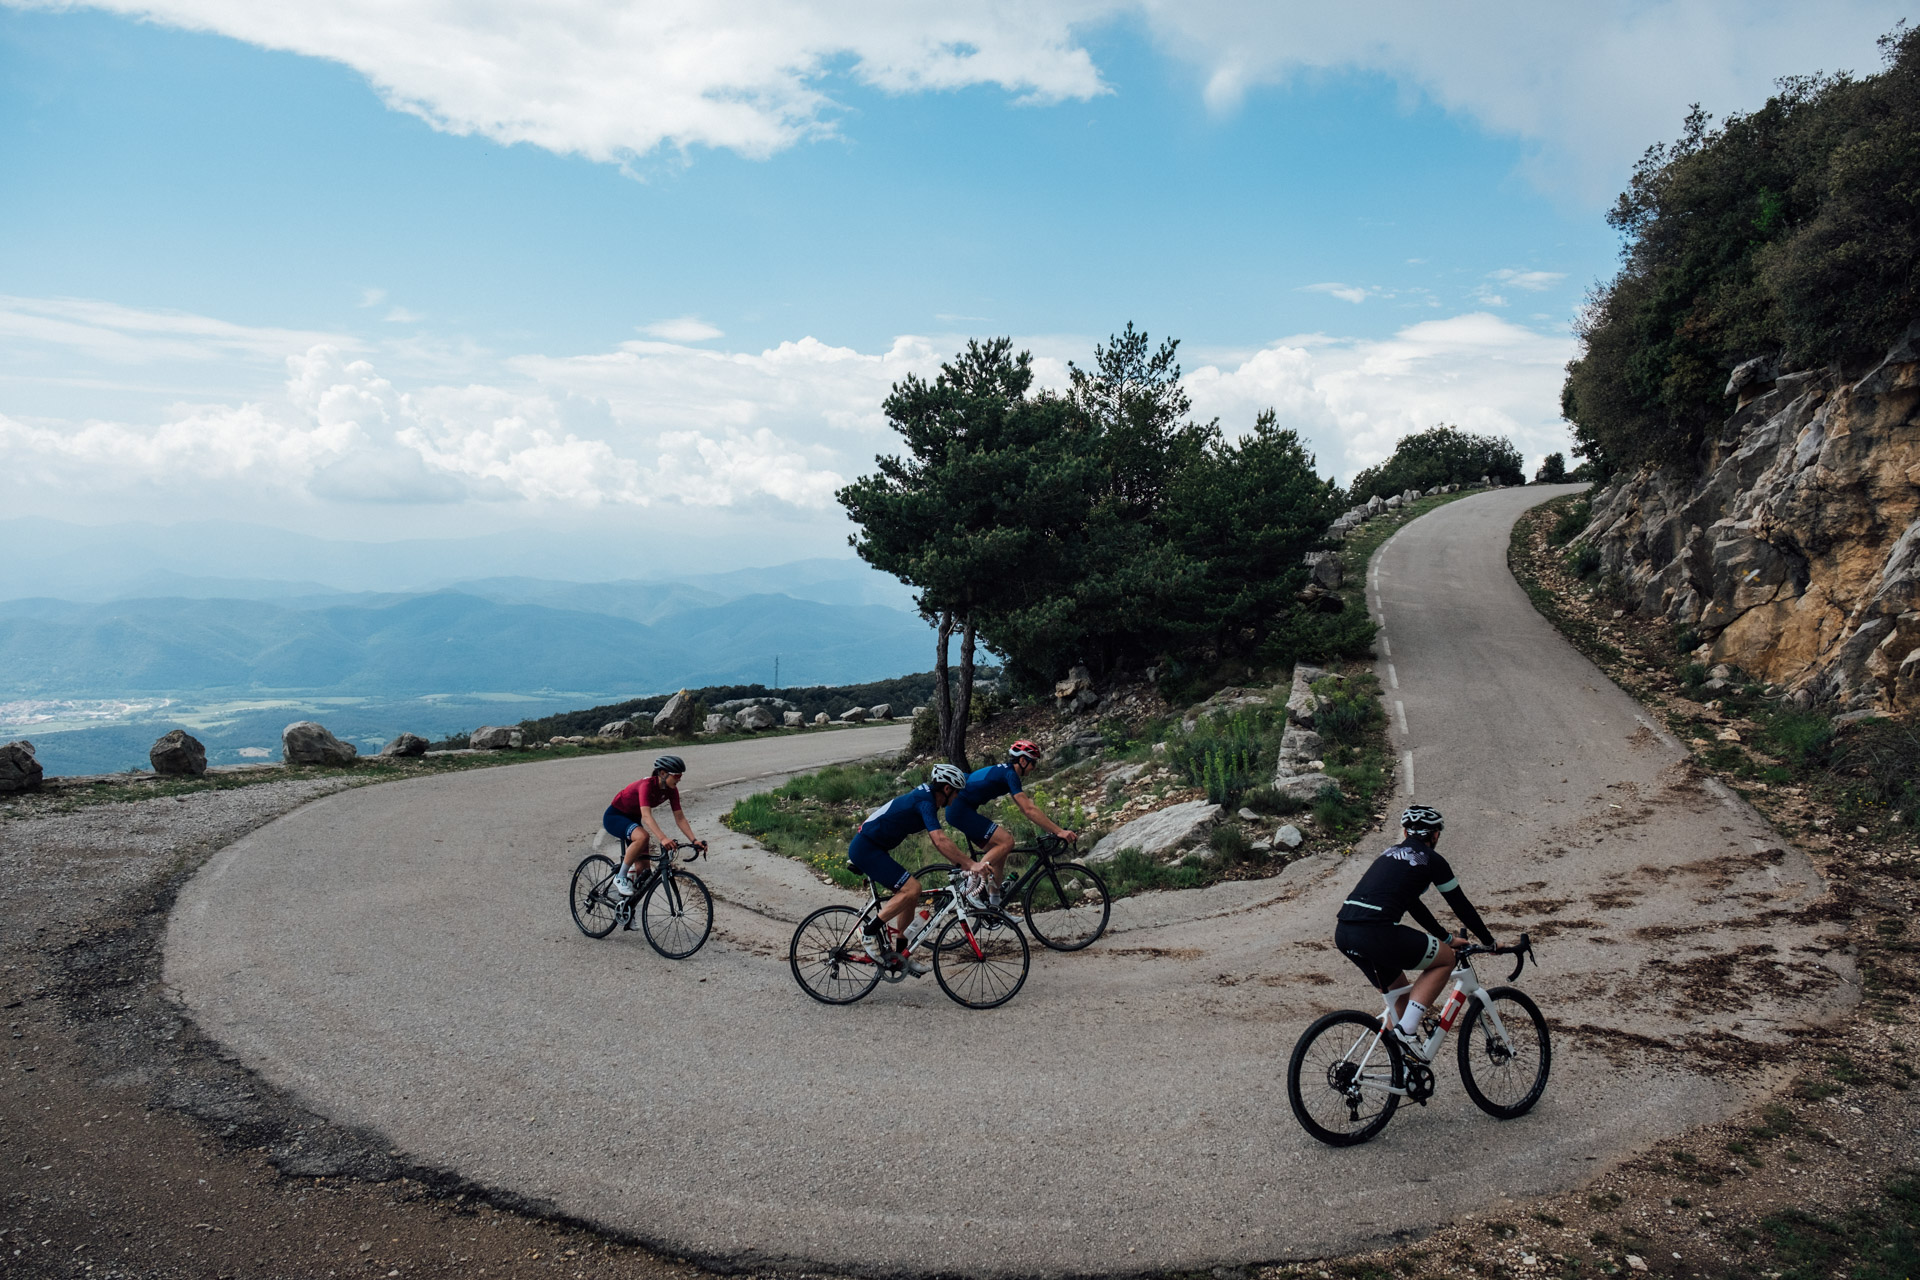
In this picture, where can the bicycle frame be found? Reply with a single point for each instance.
(1471, 990)
(954, 906)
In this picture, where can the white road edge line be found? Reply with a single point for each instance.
(1393, 677)
(1400, 713)
(1386, 650)
(1407, 761)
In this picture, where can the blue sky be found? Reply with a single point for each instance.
(603, 273)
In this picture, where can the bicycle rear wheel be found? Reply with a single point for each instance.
(1067, 905)
(1339, 1076)
(591, 896)
(1505, 1067)
(677, 914)
(984, 964)
(827, 958)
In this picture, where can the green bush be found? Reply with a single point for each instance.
(1348, 709)
(1801, 738)
(1878, 765)
(1440, 455)
(1585, 561)
(925, 738)
(1224, 755)
(1229, 843)
(1571, 522)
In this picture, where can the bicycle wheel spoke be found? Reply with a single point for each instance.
(827, 958)
(1340, 1079)
(1067, 906)
(983, 963)
(1505, 1054)
(677, 914)
(591, 896)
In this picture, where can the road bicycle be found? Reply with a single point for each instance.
(674, 908)
(1347, 1075)
(980, 957)
(1065, 904)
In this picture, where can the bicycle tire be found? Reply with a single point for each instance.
(591, 895)
(984, 965)
(677, 914)
(1073, 906)
(1322, 1070)
(1489, 1068)
(827, 958)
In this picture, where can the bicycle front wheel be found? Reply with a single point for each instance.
(1505, 1054)
(1341, 1076)
(982, 964)
(677, 914)
(827, 957)
(1067, 905)
(592, 896)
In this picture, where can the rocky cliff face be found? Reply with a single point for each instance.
(1795, 553)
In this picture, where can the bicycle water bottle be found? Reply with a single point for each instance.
(1451, 1009)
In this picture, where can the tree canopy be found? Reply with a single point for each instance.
(1791, 231)
(1440, 455)
(1100, 525)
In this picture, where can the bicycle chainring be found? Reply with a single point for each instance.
(1419, 1082)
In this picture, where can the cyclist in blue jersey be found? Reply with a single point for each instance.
(871, 854)
(990, 783)
(1369, 933)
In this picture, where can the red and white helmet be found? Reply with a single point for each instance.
(1025, 749)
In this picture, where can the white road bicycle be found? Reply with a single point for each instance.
(1347, 1076)
(979, 955)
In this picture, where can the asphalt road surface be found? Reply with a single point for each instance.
(402, 958)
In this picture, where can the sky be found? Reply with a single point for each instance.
(635, 278)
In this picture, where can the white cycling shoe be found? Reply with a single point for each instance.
(622, 885)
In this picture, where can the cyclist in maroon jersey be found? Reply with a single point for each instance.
(631, 817)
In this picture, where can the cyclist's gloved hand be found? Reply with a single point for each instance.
(1071, 837)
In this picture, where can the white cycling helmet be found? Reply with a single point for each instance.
(947, 775)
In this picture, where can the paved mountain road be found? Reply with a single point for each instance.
(401, 957)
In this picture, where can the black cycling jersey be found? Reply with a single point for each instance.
(1392, 887)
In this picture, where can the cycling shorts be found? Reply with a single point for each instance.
(970, 823)
(875, 863)
(1385, 951)
(621, 827)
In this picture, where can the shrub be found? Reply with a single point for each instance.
(1553, 469)
(1878, 763)
(1347, 711)
(925, 738)
(1799, 737)
(1223, 755)
(1585, 561)
(1229, 843)
(1571, 522)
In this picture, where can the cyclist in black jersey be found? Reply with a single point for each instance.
(1369, 931)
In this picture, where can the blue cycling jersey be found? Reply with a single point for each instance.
(901, 817)
(990, 783)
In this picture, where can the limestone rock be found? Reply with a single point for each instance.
(412, 744)
(918, 711)
(1289, 836)
(1304, 787)
(19, 770)
(619, 729)
(793, 719)
(1161, 832)
(820, 717)
(1327, 572)
(305, 742)
(1793, 550)
(497, 737)
(719, 722)
(881, 711)
(676, 716)
(755, 718)
(854, 715)
(179, 754)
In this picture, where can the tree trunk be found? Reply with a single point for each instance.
(957, 736)
(942, 695)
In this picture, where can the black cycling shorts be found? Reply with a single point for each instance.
(1385, 951)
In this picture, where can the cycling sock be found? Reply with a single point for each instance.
(1410, 1020)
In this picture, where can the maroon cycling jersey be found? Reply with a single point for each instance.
(645, 794)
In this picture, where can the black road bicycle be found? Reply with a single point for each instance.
(1065, 905)
(674, 908)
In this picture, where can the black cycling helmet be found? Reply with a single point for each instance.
(1420, 820)
(669, 764)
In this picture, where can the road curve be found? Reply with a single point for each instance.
(401, 958)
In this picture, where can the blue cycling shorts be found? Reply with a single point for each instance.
(971, 823)
(875, 863)
(621, 827)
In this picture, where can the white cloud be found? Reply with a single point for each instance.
(1354, 400)
(683, 329)
(610, 80)
(400, 315)
(128, 335)
(1344, 292)
(372, 297)
(1586, 86)
(1532, 281)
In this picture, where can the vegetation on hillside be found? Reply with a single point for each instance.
(902, 693)
(1792, 231)
(1099, 526)
(1440, 455)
